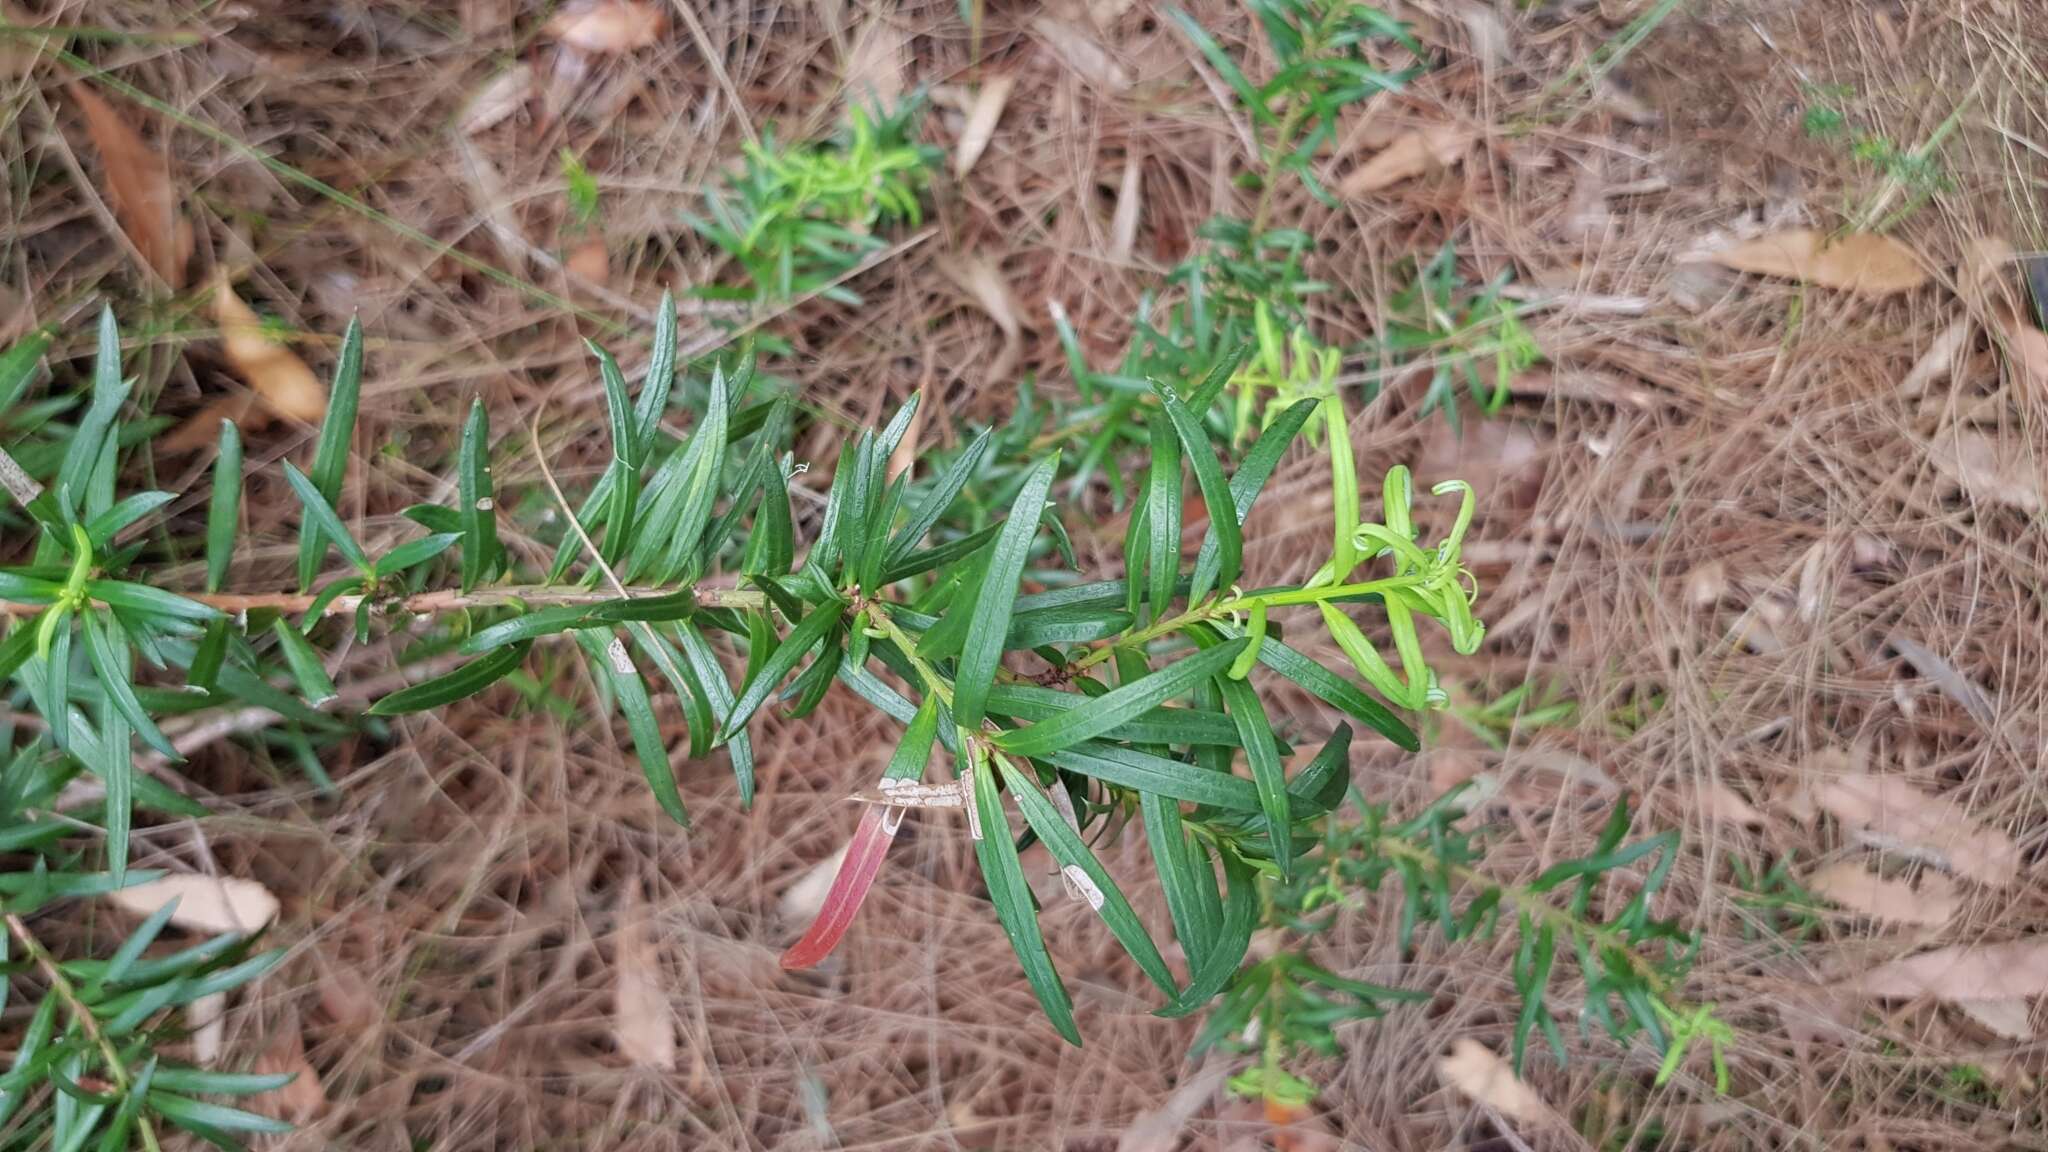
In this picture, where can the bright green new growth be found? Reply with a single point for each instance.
(798, 218)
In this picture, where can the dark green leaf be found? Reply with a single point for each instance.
(740, 745)
(1249, 480)
(476, 508)
(206, 1082)
(149, 602)
(983, 651)
(224, 506)
(413, 553)
(1003, 872)
(1185, 877)
(613, 665)
(1223, 518)
(18, 367)
(109, 524)
(1123, 704)
(304, 662)
(936, 499)
(1268, 774)
(459, 684)
(941, 555)
(1334, 690)
(1240, 916)
(322, 523)
(106, 647)
(1070, 850)
(1163, 519)
(330, 457)
(1144, 772)
(763, 683)
(185, 1112)
(1161, 726)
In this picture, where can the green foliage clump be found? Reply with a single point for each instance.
(797, 218)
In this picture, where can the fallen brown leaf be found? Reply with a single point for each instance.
(1991, 470)
(1851, 885)
(1889, 812)
(303, 1099)
(1724, 805)
(605, 27)
(982, 117)
(1411, 154)
(139, 185)
(274, 372)
(1939, 361)
(641, 1017)
(205, 903)
(498, 100)
(1963, 972)
(1863, 263)
(1479, 1073)
(2006, 1016)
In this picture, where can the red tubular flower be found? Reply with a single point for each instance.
(856, 875)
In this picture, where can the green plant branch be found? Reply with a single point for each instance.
(1539, 910)
(441, 600)
(62, 987)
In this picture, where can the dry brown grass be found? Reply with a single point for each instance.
(454, 910)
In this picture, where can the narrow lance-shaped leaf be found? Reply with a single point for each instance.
(321, 523)
(18, 367)
(304, 662)
(1240, 916)
(82, 455)
(865, 850)
(936, 499)
(459, 684)
(1120, 705)
(477, 511)
(740, 745)
(1003, 873)
(224, 506)
(330, 457)
(704, 466)
(1268, 774)
(808, 632)
(983, 651)
(107, 648)
(1101, 890)
(1246, 484)
(1223, 518)
(1163, 520)
(627, 455)
(612, 664)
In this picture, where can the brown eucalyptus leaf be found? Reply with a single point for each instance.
(1852, 886)
(1479, 1073)
(1890, 812)
(608, 27)
(274, 372)
(1862, 262)
(1963, 972)
(138, 187)
(1411, 154)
